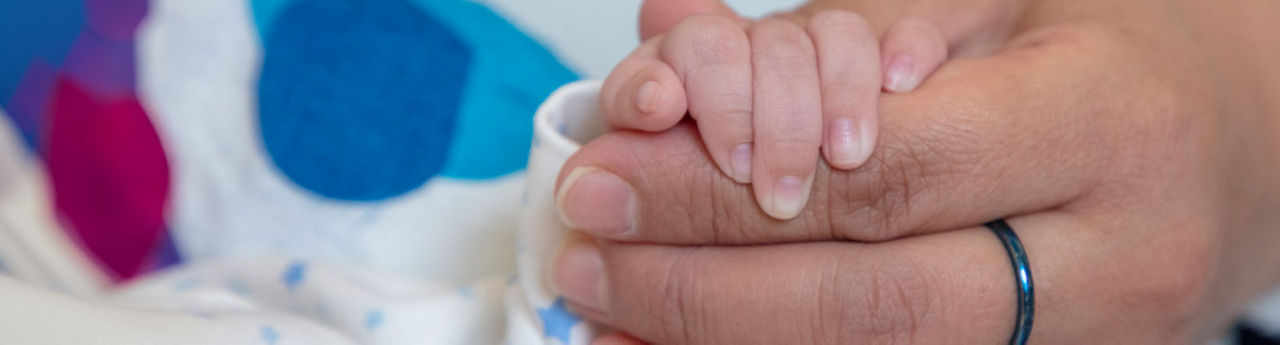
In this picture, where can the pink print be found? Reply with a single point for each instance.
(109, 174)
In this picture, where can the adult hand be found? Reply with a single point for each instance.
(1132, 144)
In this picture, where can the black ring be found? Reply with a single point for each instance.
(1021, 272)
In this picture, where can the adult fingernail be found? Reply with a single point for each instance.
(647, 97)
(578, 275)
(901, 74)
(596, 201)
(844, 144)
(740, 162)
(788, 197)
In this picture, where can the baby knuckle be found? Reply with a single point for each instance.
(839, 20)
(733, 106)
(710, 36)
(776, 25)
(795, 146)
(785, 39)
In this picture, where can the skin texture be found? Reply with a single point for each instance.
(1132, 144)
(767, 94)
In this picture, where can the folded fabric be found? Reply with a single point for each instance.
(279, 300)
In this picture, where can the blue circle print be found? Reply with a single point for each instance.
(358, 99)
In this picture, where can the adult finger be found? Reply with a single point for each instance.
(954, 287)
(1018, 130)
(787, 116)
(850, 72)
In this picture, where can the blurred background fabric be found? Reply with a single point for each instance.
(358, 105)
(143, 133)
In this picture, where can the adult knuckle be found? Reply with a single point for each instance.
(899, 186)
(883, 304)
(1172, 300)
(885, 188)
(667, 212)
(1096, 37)
(675, 304)
(1163, 106)
(1181, 291)
(727, 222)
(1166, 283)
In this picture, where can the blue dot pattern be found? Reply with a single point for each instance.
(269, 335)
(357, 99)
(373, 319)
(3, 268)
(294, 274)
(557, 321)
(507, 76)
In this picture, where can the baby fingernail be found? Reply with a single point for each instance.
(901, 74)
(788, 197)
(596, 201)
(740, 162)
(844, 144)
(647, 97)
(578, 274)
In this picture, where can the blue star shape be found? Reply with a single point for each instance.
(557, 321)
(294, 274)
(269, 335)
(373, 319)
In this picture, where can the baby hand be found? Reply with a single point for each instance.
(768, 95)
